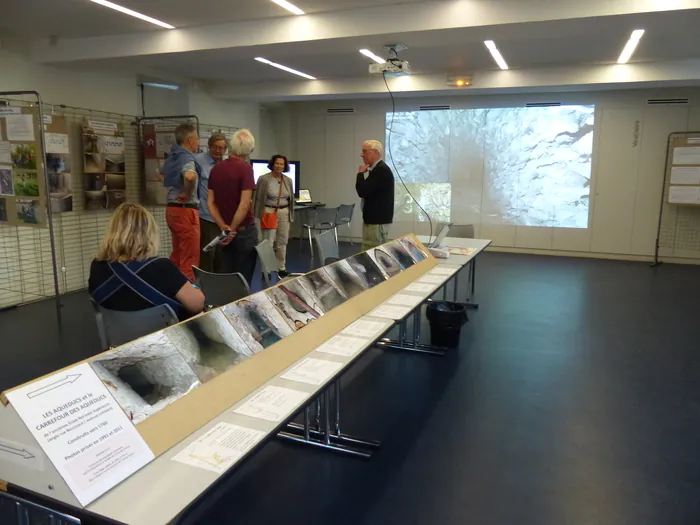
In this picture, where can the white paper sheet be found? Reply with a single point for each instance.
(10, 111)
(686, 155)
(56, 143)
(684, 195)
(5, 156)
(312, 371)
(20, 128)
(432, 279)
(220, 448)
(272, 403)
(343, 345)
(113, 146)
(402, 299)
(685, 175)
(82, 430)
(366, 328)
(444, 270)
(390, 312)
(420, 288)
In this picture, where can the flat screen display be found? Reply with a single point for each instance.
(260, 168)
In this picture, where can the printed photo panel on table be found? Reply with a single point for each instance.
(146, 375)
(399, 253)
(367, 269)
(210, 344)
(386, 263)
(346, 278)
(259, 319)
(413, 250)
(325, 294)
(296, 310)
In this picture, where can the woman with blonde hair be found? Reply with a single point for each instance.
(127, 273)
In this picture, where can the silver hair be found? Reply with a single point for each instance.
(242, 143)
(376, 146)
(183, 132)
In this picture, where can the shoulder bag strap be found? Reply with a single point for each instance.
(127, 273)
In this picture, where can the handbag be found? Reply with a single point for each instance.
(268, 221)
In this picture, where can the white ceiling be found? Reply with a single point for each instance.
(670, 36)
(82, 18)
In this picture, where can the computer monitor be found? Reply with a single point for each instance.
(260, 168)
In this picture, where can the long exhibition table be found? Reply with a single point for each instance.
(181, 473)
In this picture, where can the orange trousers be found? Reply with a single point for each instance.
(184, 228)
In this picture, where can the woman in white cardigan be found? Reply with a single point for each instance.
(275, 194)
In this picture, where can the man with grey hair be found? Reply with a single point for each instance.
(208, 228)
(231, 186)
(180, 177)
(377, 192)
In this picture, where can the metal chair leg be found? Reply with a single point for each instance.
(311, 244)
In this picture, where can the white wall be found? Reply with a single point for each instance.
(627, 178)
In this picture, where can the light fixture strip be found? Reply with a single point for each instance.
(631, 45)
(130, 12)
(289, 7)
(496, 54)
(284, 68)
(369, 54)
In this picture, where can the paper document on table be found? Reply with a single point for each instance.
(402, 299)
(444, 270)
(20, 128)
(272, 403)
(685, 175)
(432, 279)
(686, 155)
(367, 329)
(343, 345)
(456, 250)
(220, 448)
(81, 428)
(312, 371)
(420, 288)
(390, 312)
(684, 195)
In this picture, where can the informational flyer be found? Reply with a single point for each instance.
(220, 448)
(402, 299)
(82, 430)
(420, 288)
(312, 371)
(366, 328)
(444, 270)
(343, 345)
(272, 403)
(20, 128)
(432, 279)
(389, 311)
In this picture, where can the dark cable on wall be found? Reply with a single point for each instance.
(393, 165)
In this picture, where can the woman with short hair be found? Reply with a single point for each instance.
(128, 275)
(274, 195)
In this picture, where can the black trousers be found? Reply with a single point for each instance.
(239, 256)
(207, 232)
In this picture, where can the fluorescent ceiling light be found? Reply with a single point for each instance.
(369, 54)
(284, 68)
(135, 14)
(496, 54)
(631, 45)
(172, 87)
(289, 7)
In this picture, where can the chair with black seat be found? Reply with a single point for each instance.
(461, 231)
(345, 213)
(327, 250)
(322, 219)
(221, 288)
(118, 327)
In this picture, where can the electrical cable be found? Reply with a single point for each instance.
(393, 165)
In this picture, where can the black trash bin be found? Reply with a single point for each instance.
(446, 321)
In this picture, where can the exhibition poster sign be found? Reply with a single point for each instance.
(81, 428)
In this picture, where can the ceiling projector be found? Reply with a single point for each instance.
(392, 67)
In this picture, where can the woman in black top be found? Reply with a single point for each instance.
(132, 239)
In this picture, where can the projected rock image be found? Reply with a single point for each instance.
(209, 344)
(145, 376)
(257, 317)
(505, 166)
(346, 279)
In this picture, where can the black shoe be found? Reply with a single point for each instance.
(283, 274)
